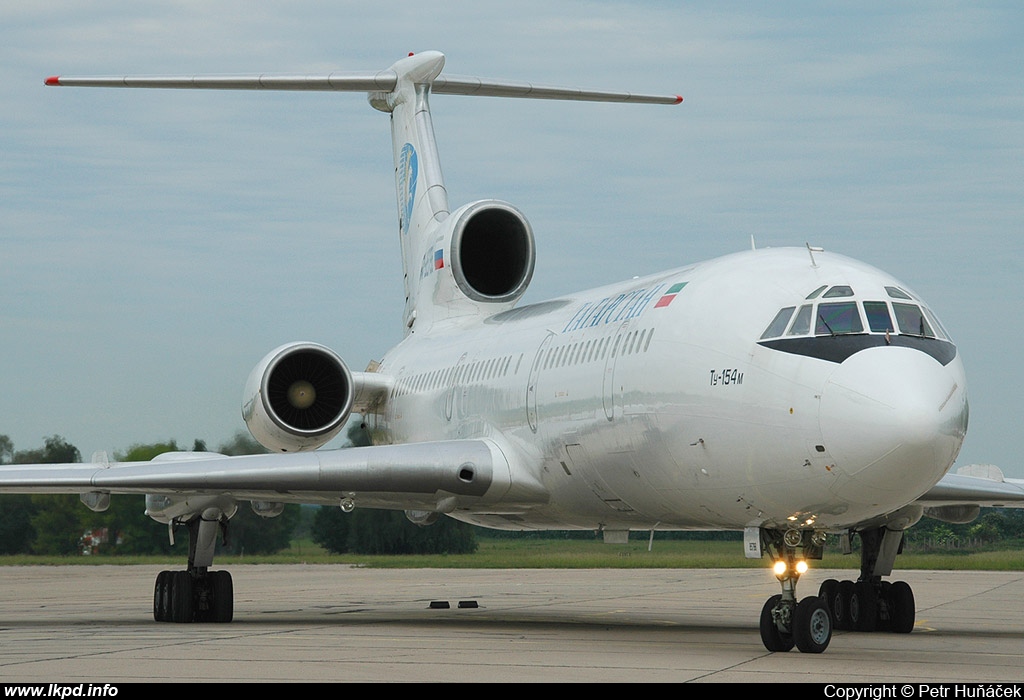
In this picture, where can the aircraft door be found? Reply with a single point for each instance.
(453, 386)
(531, 388)
(609, 390)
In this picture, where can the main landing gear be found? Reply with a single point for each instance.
(196, 594)
(807, 624)
(870, 604)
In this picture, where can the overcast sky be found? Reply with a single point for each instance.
(154, 245)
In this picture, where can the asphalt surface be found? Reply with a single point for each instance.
(296, 623)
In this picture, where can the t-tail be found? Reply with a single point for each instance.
(473, 262)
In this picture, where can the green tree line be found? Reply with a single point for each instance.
(62, 525)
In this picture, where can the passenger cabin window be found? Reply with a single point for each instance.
(837, 319)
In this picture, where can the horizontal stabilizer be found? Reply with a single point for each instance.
(380, 81)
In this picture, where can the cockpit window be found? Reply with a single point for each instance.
(879, 320)
(778, 325)
(937, 326)
(897, 293)
(833, 318)
(816, 292)
(838, 291)
(802, 322)
(838, 318)
(912, 321)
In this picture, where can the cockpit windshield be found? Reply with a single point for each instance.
(852, 316)
(911, 320)
(836, 318)
(779, 323)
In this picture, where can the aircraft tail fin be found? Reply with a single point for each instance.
(403, 91)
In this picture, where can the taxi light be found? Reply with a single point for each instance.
(801, 567)
(779, 568)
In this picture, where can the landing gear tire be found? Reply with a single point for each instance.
(841, 611)
(771, 636)
(161, 598)
(901, 606)
(812, 625)
(181, 589)
(222, 609)
(180, 596)
(885, 609)
(828, 592)
(864, 607)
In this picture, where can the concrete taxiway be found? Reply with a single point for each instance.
(294, 623)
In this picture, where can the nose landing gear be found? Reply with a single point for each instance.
(785, 622)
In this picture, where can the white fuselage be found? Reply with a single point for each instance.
(650, 406)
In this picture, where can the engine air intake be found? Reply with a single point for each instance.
(297, 398)
(307, 390)
(492, 252)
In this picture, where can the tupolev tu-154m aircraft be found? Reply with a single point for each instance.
(789, 393)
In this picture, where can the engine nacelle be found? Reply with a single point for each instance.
(492, 251)
(297, 398)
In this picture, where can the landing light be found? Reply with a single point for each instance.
(782, 570)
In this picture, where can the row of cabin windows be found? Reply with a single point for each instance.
(592, 350)
(480, 370)
(575, 353)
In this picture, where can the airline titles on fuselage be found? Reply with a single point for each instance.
(621, 307)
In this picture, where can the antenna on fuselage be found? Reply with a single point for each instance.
(811, 250)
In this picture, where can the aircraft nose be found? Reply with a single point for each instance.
(893, 419)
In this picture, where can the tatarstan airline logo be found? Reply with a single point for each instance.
(621, 307)
(406, 184)
(670, 295)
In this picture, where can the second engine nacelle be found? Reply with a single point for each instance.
(297, 398)
(492, 251)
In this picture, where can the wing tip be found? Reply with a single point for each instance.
(679, 99)
(53, 80)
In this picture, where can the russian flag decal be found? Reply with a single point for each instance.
(439, 259)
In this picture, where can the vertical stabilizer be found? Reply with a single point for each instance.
(419, 184)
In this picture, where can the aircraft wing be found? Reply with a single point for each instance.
(414, 475)
(980, 485)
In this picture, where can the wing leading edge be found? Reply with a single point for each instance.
(979, 485)
(475, 473)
